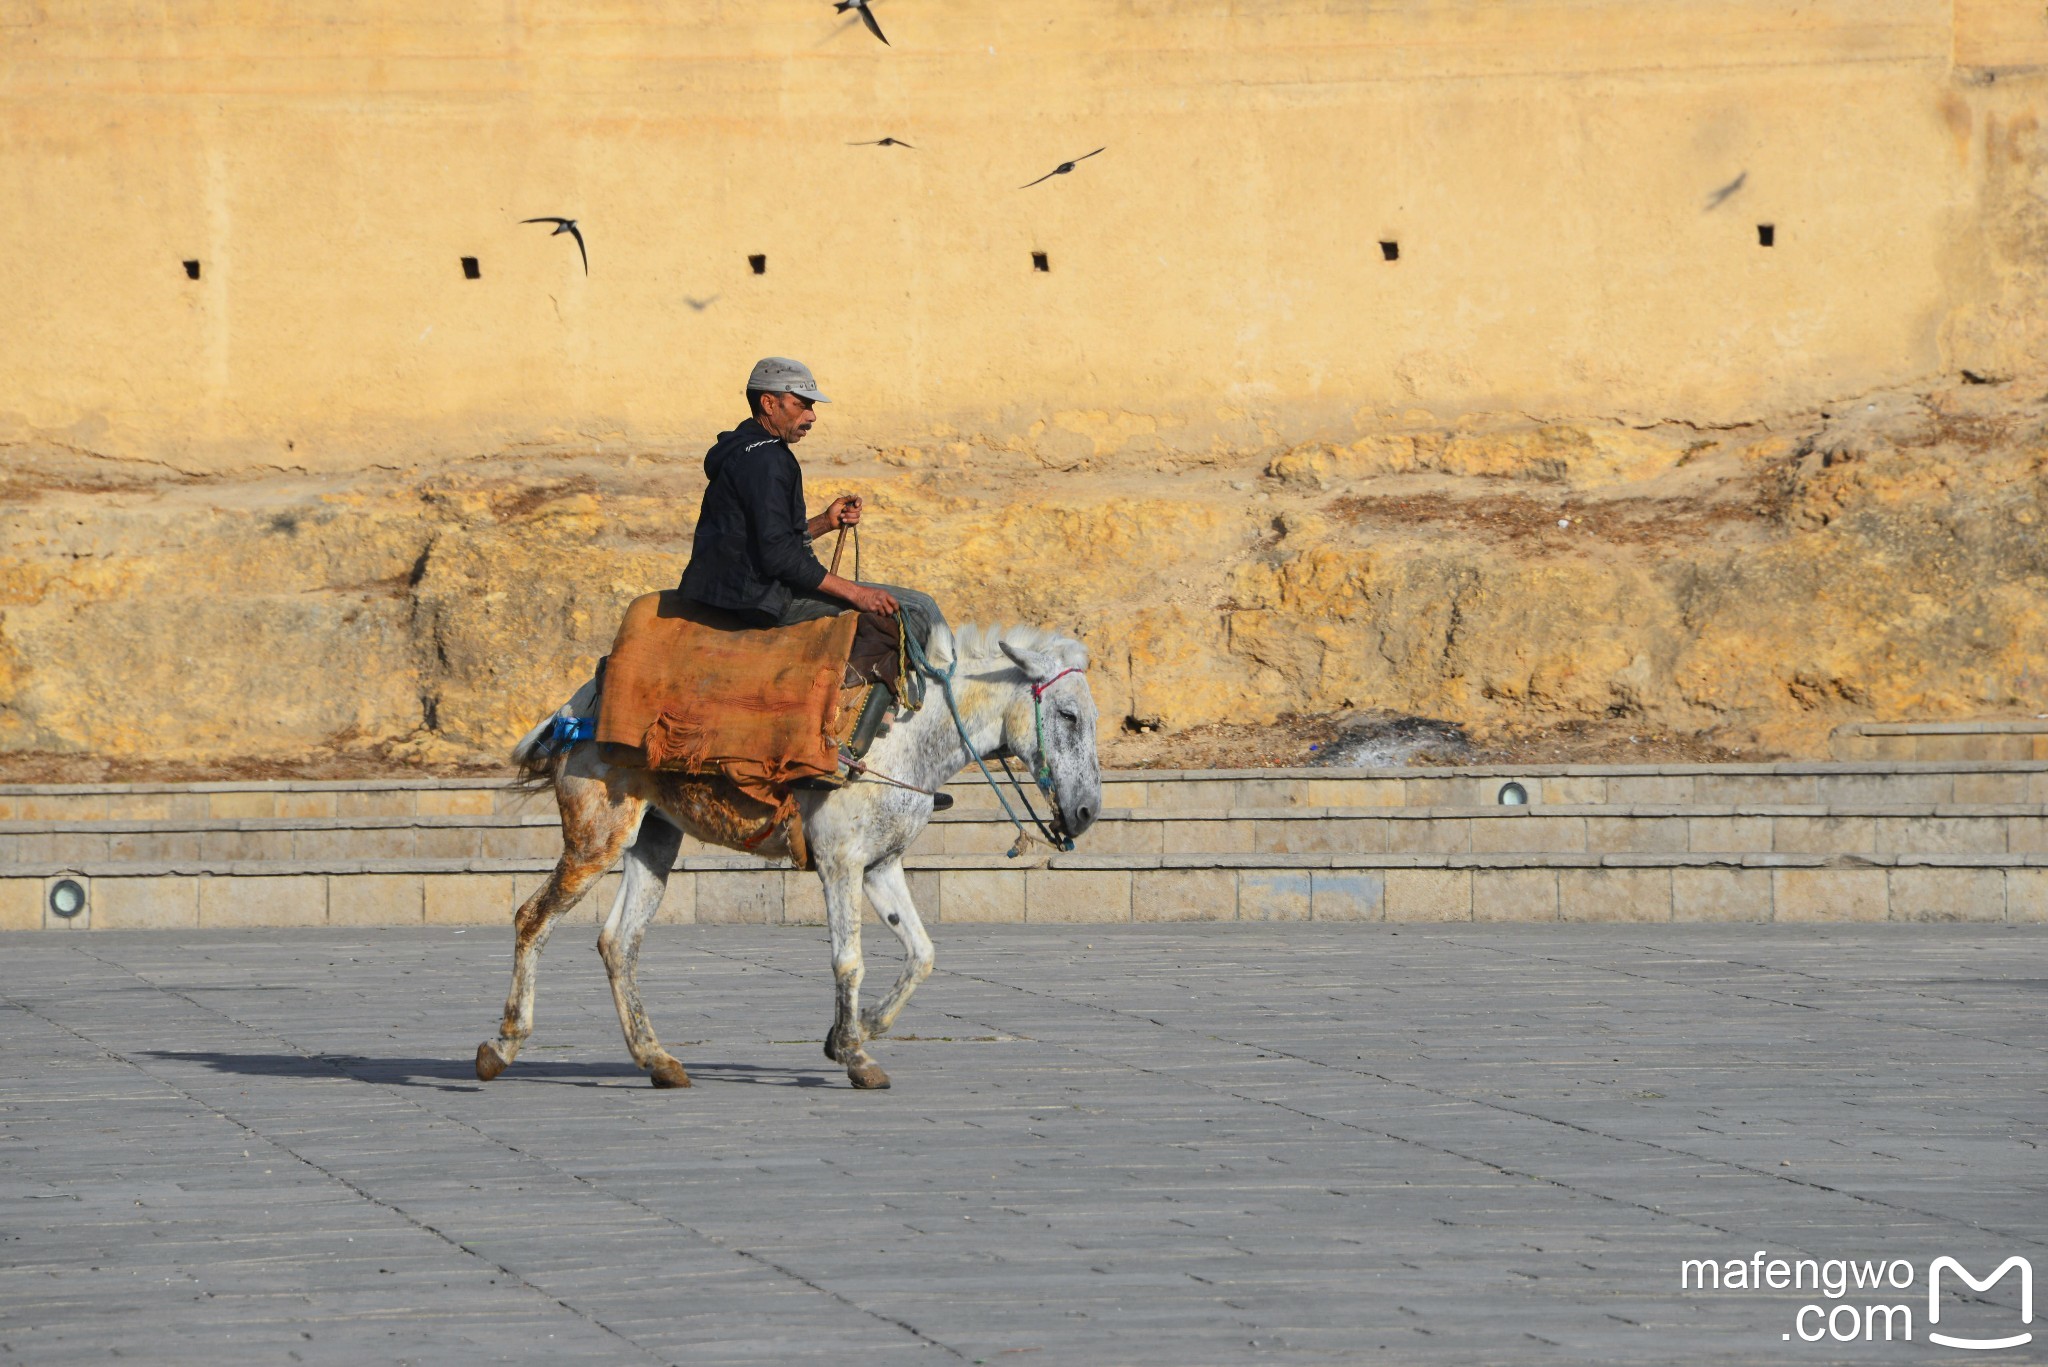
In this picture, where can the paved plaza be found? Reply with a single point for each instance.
(1212, 1144)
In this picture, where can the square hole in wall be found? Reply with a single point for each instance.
(1766, 234)
(759, 263)
(191, 270)
(470, 270)
(1039, 262)
(1390, 251)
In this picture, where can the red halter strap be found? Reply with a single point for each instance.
(1038, 690)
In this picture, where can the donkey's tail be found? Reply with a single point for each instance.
(538, 752)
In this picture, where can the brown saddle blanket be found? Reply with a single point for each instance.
(698, 692)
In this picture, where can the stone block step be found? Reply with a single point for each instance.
(1849, 828)
(1891, 840)
(1942, 742)
(1879, 783)
(1079, 889)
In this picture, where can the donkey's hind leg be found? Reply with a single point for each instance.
(647, 868)
(889, 894)
(595, 828)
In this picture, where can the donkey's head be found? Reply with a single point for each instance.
(1052, 729)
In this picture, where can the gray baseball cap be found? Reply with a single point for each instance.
(781, 375)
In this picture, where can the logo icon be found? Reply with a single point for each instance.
(1934, 1300)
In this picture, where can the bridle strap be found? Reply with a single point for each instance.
(1042, 774)
(1039, 690)
(944, 679)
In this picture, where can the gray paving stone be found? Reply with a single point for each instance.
(1145, 1144)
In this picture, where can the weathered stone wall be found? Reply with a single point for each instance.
(1575, 189)
(1585, 451)
(1756, 587)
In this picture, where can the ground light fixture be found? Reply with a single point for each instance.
(1513, 794)
(67, 897)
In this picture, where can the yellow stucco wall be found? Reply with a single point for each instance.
(1216, 279)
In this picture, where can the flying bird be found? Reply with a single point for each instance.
(867, 16)
(1720, 196)
(1062, 169)
(565, 225)
(882, 142)
(699, 305)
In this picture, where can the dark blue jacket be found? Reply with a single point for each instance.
(751, 552)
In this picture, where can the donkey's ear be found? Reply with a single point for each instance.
(943, 648)
(1037, 667)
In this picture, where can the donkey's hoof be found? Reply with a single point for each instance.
(867, 1077)
(669, 1073)
(489, 1062)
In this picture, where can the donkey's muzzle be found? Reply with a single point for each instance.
(1066, 829)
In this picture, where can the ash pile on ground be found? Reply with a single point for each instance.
(1393, 741)
(1355, 739)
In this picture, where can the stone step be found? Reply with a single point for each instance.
(1960, 840)
(1849, 828)
(1078, 889)
(1885, 783)
(1941, 742)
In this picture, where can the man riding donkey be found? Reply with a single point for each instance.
(726, 711)
(751, 555)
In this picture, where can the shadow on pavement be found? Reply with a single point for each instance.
(759, 1076)
(459, 1074)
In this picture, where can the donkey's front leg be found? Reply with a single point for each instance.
(843, 1042)
(647, 866)
(889, 894)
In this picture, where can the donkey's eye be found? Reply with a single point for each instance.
(1066, 714)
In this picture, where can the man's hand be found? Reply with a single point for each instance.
(843, 511)
(859, 595)
(874, 600)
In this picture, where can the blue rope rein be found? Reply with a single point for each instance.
(945, 683)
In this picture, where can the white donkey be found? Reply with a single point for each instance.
(1023, 692)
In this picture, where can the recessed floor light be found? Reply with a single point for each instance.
(67, 897)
